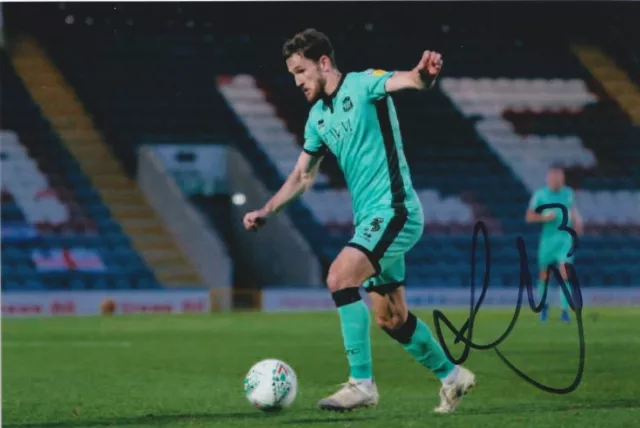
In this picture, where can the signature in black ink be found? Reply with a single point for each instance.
(465, 334)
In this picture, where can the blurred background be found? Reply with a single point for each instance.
(134, 137)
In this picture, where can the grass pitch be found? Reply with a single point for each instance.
(187, 371)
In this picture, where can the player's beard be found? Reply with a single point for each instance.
(321, 84)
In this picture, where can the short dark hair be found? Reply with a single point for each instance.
(311, 44)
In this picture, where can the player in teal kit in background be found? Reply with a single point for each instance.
(353, 117)
(554, 244)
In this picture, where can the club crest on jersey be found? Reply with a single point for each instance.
(347, 104)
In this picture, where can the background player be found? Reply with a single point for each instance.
(354, 117)
(554, 244)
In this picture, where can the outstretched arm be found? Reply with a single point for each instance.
(422, 77)
(300, 180)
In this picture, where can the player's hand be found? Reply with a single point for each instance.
(254, 220)
(549, 217)
(430, 65)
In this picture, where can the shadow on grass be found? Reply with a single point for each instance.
(618, 404)
(169, 419)
(150, 419)
(309, 418)
(327, 420)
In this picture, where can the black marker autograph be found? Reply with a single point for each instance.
(574, 299)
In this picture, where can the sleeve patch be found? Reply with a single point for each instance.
(375, 72)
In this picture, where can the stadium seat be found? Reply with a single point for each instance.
(51, 207)
(473, 161)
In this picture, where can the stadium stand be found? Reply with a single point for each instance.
(505, 149)
(56, 232)
(478, 144)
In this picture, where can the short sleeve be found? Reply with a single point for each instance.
(534, 202)
(570, 198)
(374, 83)
(313, 145)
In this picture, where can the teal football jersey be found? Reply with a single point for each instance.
(563, 196)
(359, 125)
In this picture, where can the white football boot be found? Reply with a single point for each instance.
(451, 393)
(353, 395)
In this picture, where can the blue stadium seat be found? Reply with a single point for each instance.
(21, 269)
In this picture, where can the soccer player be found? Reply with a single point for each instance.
(554, 244)
(354, 117)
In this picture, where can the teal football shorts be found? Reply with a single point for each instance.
(385, 237)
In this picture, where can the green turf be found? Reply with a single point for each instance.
(187, 371)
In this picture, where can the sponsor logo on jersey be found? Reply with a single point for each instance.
(375, 224)
(342, 130)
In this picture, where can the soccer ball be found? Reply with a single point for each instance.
(271, 385)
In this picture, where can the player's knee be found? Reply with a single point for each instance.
(337, 282)
(333, 282)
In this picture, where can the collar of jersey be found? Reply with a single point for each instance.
(328, 99)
